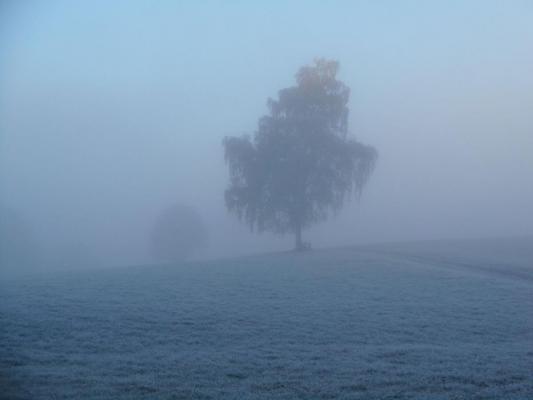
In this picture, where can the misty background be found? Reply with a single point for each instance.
(112, 111)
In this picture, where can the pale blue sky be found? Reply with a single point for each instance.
(110, 110)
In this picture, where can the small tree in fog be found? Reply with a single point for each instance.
(178, 233)
(300, 165)
(18, 248)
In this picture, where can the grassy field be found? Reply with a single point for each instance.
(439, 320)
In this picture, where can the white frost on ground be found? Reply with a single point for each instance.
(442, 320)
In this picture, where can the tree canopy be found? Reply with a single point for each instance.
(301, 164)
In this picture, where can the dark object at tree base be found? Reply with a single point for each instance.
(305, 246)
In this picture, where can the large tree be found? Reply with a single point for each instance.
(301, 164)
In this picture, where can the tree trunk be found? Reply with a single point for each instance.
(298, 245)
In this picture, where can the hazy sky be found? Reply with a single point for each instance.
(112, 110)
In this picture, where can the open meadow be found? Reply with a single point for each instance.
(436, 320)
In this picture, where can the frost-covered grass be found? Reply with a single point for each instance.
(443, 320)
